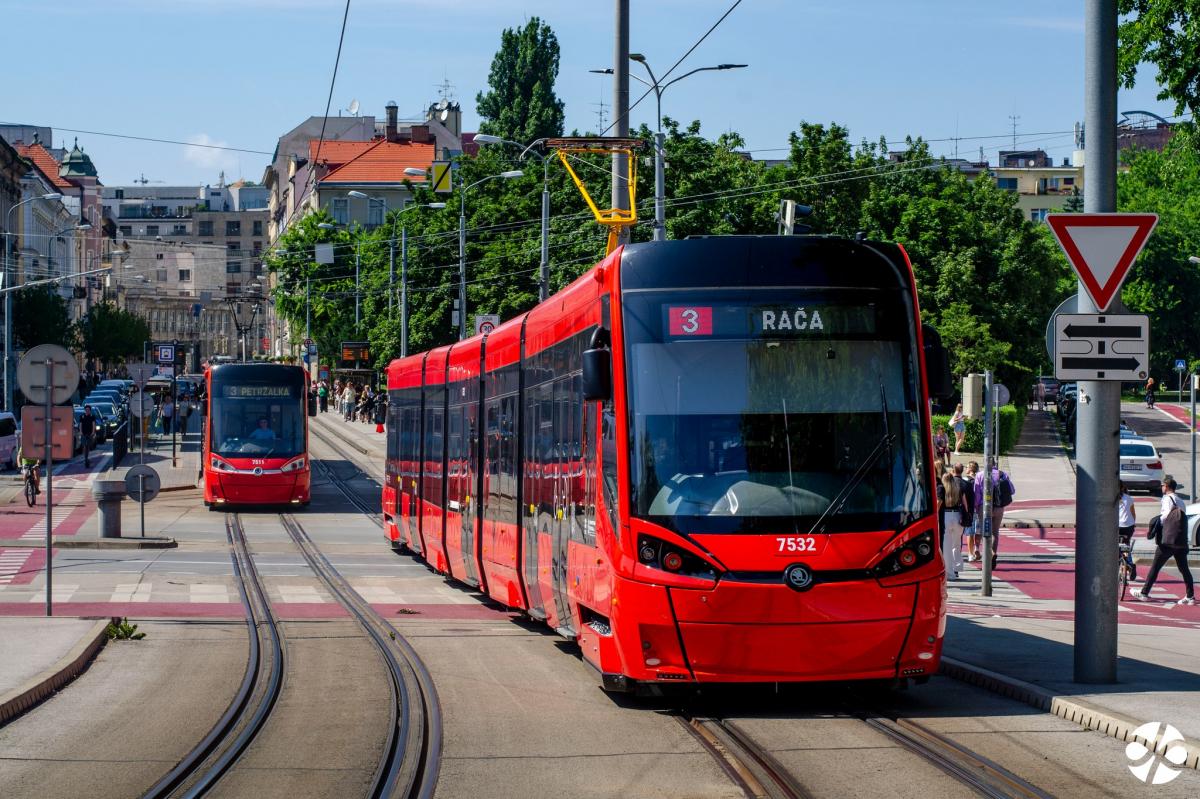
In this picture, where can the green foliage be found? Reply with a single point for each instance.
(123, 631)
(1162, 283)
(110, 334)
(521, 104)
(1165, 33)
(41, 316)
(1012, 419)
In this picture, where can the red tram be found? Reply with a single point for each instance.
(256, 435)
(705, 460)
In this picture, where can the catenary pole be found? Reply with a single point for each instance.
(403, 292)
(1192, 436)
(544, 271)
(620, 169)
(988, 454)
(1099, 408)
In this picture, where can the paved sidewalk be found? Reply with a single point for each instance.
(40, 655)
(185, 473)
(362, 437)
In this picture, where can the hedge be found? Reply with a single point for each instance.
(1011, 420)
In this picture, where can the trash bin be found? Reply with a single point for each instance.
(108, 495)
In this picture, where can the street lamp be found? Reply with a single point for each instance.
(81, 225)
(660, 217)
(8, 249)
(462, 245)
(403, 270)
(1193, 259)
(544, 271)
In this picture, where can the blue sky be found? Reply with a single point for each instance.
(242, 72)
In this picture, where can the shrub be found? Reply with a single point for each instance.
(123, 631)
(1012, 418)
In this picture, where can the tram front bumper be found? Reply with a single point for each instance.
(273, 489)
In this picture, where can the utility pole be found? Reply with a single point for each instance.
(462, 266)
(1099, 409)
(544, 272)
(403, 292)
(620, 180)
(357, 313)
(391, 272)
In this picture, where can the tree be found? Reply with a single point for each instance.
(1074, 203)
(1167, 34)
(521, 104)
(40, 316)
(110, 334)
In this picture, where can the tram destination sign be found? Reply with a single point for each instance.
(785, 320)
(1101, 347)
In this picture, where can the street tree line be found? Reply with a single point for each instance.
(988, 278)
(106, 334)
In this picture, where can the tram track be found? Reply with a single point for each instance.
(746, 762)
(204, 765)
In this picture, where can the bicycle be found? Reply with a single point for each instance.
(1126, 568)
(31, 490)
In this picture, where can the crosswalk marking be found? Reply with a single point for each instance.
(11, 563)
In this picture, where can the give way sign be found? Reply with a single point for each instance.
(1101, 248)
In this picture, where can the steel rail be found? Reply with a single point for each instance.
(191, 765)
(748, 764)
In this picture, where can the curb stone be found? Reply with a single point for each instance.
(69, 666)
(1078, 711)
(73, 542)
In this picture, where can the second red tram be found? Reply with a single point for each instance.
(256, 435)
(705, 460)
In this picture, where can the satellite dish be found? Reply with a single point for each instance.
(443, 115)
(442, 104)
(353, 109)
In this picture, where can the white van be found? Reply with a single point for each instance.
(8, 440)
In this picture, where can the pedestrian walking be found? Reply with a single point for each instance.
(967, 489)
(1002, 494)
(167, 413)
(954, 510)
(1150, 392)
(1171, 534)
(958, 423)
(1040, 391)
(323, 397)
(87, 431)
(348, 398)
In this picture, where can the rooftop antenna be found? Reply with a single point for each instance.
(601, 113)
(445, 89)
(143, 180)
(1014, 118)
(353, 107)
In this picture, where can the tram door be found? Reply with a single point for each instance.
(563, 501)
(538, 507)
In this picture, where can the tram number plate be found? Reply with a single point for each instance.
(792, 544)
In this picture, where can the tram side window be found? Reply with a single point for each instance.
(434, 440)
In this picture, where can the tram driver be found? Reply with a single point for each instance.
(263, 432)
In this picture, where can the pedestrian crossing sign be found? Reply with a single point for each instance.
(443, 177)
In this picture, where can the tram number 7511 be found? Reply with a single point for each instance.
(797, 543)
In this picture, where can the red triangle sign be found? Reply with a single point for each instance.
(1101, 248)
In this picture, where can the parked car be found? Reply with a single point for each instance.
(1130, 435)
(1141, 466)
(8, 440)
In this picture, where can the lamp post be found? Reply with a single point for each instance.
(8, 250)
(84, 225)
(660, 217)
(403, 270)
(544, 271)
(462, 245)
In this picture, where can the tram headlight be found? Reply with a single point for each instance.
(219, 465)
(658, 554)
(915, 553)
(293, 465)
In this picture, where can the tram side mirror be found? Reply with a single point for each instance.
(597, 367)
(937, 365)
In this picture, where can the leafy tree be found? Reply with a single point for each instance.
(1167, 34)
(110, 334)
(521, 104)
(41, 316)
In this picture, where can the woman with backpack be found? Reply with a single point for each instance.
(1172, 536)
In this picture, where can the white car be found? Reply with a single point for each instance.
(1193, 521)
(1141, 466)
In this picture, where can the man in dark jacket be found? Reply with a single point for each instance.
(1173, 543)
(87, 430)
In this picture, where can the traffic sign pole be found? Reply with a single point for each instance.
(1098, 417)
(49, 486)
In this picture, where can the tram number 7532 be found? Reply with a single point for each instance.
(797, 543)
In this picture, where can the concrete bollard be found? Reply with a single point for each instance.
(108, 495)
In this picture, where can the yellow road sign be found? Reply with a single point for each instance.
(443, 177)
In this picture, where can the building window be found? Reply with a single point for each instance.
(374, 213)
(233, 268)
(125, 230)
(205, 229)
(151, 230)
(233, 228)
(185, 275)
(180, 230)
(160, 275)
(1068, 181)
(119, 194)
(158, 256)
(1007, 183)
(256, 268)
(257, 227)
(257, 247)
(1038, 214)
(341, 210)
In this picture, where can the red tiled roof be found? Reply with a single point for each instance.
(378, 161)
(44, 161)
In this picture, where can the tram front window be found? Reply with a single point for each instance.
(740, 426)
(258, 421)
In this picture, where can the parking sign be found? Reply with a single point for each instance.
(166, 353)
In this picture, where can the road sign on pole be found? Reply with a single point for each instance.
(486, 323)
(1101, 347)
(32, 374)
(165, 353)
(1101, 248)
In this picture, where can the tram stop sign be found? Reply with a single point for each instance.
(142, 483)
(31, 374)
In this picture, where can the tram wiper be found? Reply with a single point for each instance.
(839, 501)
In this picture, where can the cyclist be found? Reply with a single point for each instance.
(32, 464)
(1126, 520)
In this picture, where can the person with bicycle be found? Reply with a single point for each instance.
(30, 464)
(1126, 521)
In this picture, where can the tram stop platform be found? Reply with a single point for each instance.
(41, 655)
(360, 436)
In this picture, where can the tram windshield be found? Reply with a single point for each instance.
(258, 417)
(752, 411)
